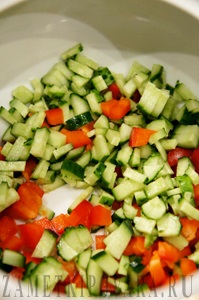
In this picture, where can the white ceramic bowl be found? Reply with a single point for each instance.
(34, 33)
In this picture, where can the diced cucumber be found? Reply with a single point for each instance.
(123, 155)
(124, 265)
(62, 150)
(154, 208)
(39, 142)
(153, 100)
(71, 169)
(106, 198)
(18, 105)
(168, 225)
(21, 129)
(101, 146)
(180, 242)
(72, 51)
(84, 159)
(45, 245)
(144, 225)
(23, 94)
(17, 166)
(84, 60)
(79, 120)
(73, 241)
(126, 188)
(41, 169)
(79, 105)
(84, 195)
(56, 139)
(187, 136)
(134, 175)
(19, 150)
(117, 241)
(94, 102)
(80, 69)
(51, 268)
(13, 258)
(189, 210)
(7, 116)
(106, 262)
(83, 258)
(152, 166)
(94, 278)
(156, 187)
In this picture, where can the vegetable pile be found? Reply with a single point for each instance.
(131, 144)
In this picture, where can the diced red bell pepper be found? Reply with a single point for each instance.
(45, 124)
(168, 253)
(31, 164)
(31, 234)
(2, 157)
(106, 286)
(195, 159)
(78, 281)
(27, 207)
(187, 266)
(174, 154)
(81, 214)
(100, 216)
(136, 96)
(157, 271)
(185, 252)
(116, 109)
(44, 223)
(99, 241)
(77, 138)
(135, 246)
(35, 187)
(88, 127)
(8, 227)
(70, 267)
(59, 223)
(28, 254)
(140, 136)
(196, 194)
(17, 273)
(12, 243)
(189, 228)
(116, 94)
(55, 116)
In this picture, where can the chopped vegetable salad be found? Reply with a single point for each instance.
(130, 143)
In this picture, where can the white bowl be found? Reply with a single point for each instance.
(34, 33)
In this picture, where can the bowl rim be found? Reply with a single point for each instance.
(191, 6)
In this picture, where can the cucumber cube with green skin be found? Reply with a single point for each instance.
(72, 51)
(153, 100)
(3, 192)
(168, 225)
(106, 262)
(72, 170)
(187, 136)
(49, 267)
(23, 94)
(94, 271)
(74, 241)
(13, 258)
(154, 208)
(117, 241)
(79, 120)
